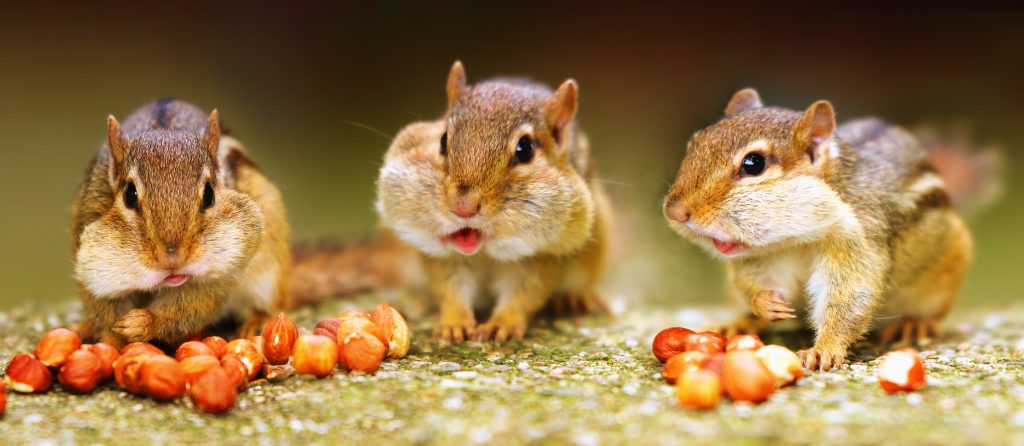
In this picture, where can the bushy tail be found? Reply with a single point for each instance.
(973, 175)
(327, 270)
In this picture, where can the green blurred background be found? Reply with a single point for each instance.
(315, 89)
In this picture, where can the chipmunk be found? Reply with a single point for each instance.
(843, 226)
(501, 199)
(174, 229)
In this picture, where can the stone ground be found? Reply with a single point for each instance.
(586, 382)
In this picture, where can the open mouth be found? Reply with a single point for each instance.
(466, 240)
(726, 247)
(175, 279)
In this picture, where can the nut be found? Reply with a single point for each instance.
(193, 348)
(354, 324)
(195, 366)
(278, 372)
(258, 342)
(217, 344)
(353, 313)
(81, 372)
(214, 391)
(902, 371)
(107, 354)
(315, 355)
(56, 345)
(745, 378)
(714, 362)
(705, 341)
(3, 399)
(361, 351)
(784, 365)
(394, 327)
(140, 347)
(126, 370)
(279, 339)
(670, 342)
(328, 327)
(236, 370)
(679, 364)
(162, 378)
(26, 374)
(699, 389)
(248, 353)
(744, 342)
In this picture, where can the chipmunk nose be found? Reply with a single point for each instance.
(465, 204)
(677, 211)
(170, 258)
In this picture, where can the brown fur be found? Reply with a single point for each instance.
(543, 223)
(845, 226)
(235, 252)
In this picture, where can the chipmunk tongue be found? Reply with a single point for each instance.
(725, 247)
(466, 240)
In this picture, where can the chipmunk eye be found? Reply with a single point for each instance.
(207, 195)
(444, 144)
(131, 196)
(524, 150)
(753, 165)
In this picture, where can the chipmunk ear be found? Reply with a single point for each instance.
(211, 136)
(115, 139)
(743, 100)
(456, 83)
(560, 108)
(814, 131)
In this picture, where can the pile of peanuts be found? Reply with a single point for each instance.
(705, 365)
(211, 370)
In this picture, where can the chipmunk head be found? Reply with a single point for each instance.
(499, 177)
(172, 217)
(756, 178)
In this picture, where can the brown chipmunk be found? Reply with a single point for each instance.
(175, 228)
(501, 199)
(843, 226)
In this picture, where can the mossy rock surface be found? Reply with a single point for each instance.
(586, 382)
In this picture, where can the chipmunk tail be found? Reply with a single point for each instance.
(972, 173)
(327, 270)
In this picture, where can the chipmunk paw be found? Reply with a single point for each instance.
(136, 326)
(501, 330)
(455, 332)
(253, 326)
(823, 358)
(909, 331)
(771, 306)
(577, 304)
(749, 324)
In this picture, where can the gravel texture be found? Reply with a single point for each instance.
(585, 382)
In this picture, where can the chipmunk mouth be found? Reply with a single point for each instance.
(466, 240)
(173, 280)
(727, 247)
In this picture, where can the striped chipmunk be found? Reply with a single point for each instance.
(501, 200)
(846, 227)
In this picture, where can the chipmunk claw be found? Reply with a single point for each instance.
(909, 331)
(136, 326)
(821, 358)
(455, 333)
(772, 306)
(577, 304)
(500, 332)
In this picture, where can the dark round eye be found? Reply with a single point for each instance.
(207, 195)
(444, 144)
(753, 164)
(131, 196)
(524, 150)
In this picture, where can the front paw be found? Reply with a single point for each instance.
(825, 358)
(136, 326)
(577, 304)
(771, 306)
(455, 330)
(502, 329)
